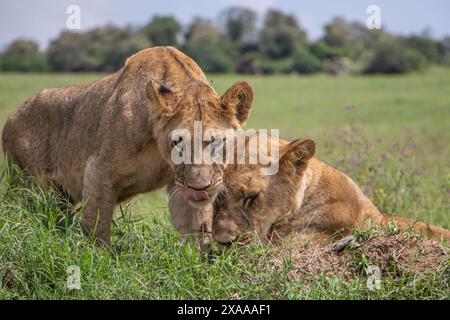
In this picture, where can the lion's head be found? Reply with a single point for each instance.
(182, 117)
(253, 202)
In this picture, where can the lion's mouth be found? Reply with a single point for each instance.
(238, 240)
(191, 194)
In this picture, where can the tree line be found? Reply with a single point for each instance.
(235, 43)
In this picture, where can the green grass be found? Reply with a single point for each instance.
(393, 143)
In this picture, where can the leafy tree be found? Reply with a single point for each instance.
(341, 34)
(426, 46)
(239, 23)
(325, 52)
(306, 62)
(209, 47)
(302, 61)
(370, 38)
(280, 36)
(395, 57)
(163, 31)
(69, 52)
(100, 49)
(444, 51)
(249, 62)
(116, 52)
(24, 56)
(271, 66)
(333, 59)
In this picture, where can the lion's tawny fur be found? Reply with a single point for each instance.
(108, 140)
(306, 195)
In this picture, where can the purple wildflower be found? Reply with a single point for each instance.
(353, 161)
(348, 106)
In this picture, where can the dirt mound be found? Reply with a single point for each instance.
(396, 254)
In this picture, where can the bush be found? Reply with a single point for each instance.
(395, 58)
(208, 46)
(68, 52)
(23, 56)
(280, 36)
(305, 62)
(100, 49)
(249, 63)
(116, 54)
(426, 46)
(269, 66)
(210, 57)
(163, 31)
(324, 52)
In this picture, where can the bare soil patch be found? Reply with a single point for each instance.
(397, 255)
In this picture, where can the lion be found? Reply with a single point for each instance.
(305, 196)
(104, 142)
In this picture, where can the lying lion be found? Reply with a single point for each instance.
(104, 142)
(305, 195)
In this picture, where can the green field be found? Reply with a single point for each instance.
(389, 133)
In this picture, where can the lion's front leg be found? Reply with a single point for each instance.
(99, 200)
(201, 226)
(189, 221)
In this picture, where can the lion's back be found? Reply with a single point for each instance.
(60, 128)
(28, 133)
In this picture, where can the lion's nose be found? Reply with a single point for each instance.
(223, 238)
(222, 234)
(198, 178)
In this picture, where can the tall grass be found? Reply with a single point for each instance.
(395, 179)
(40, 238)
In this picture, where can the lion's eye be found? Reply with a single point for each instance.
(216, 145)
(173, 144)
(250, 199)
(177, 144)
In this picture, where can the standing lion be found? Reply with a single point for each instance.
(106, 141)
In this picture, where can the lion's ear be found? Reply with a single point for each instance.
(238, 99)
(163, 96)
(294, 156)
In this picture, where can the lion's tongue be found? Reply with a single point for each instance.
(195, 195)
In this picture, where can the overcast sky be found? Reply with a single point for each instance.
(43, 20)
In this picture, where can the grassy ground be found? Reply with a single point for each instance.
(390, 134)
